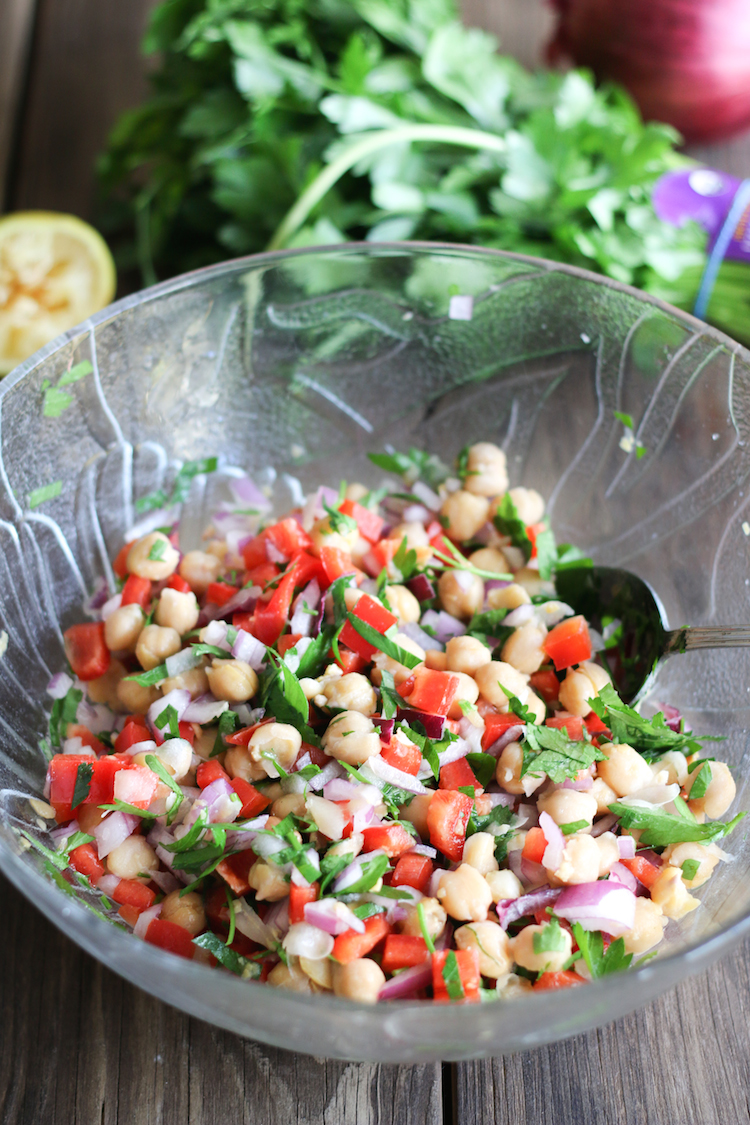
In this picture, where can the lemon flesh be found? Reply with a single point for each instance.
(55, 270)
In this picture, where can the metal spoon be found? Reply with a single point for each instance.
(607, 594)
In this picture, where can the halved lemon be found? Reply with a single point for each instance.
(55, 270)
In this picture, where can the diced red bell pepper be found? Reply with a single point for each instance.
(335, 563)
(62, 772)
(373, 614)
(533, 530)
(402, 756)
(170, 936)
(546, 684)
(594, 724)
(382, 555)
(262, 574)
(286, 642)
(271, 617)
(86, 650)
(210, 771)
(136, 786)
(120, 565)
(255, 552)
(131, 733)
(350, 945)
(243, 621)
(467, 961)
(253, 801)
(215, 902)
(644, 871)
(288, 537)
(370, 524)
(413, 870)
(459, 775)
(447, 817)
(568, 643)
(242, 737)
(347, 660)
(85, 861)
(298, 898)
(496, 725)
(76, 730)
(401, 951)
(433, 691)
(571, 724)
(234, 870)
(534, 845)
(393, 839)
(186, 731)
(178, 583)
(219, 593)
(129, 892)
(549, 981)
(136, 591)
(129, 915)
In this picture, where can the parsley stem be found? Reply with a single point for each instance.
(423, 927)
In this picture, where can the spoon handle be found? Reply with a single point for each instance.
(690, 637)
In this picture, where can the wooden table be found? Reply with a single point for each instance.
(81, 1045)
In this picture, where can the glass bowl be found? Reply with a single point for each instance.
(295, 365)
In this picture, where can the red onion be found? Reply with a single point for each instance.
(604, 824)
(511, 909)
(353, 872)
(457, 750)
(145, 918)
(329, 771)
(250, 924)
(495, 584)
(581, 785)
(247, 493)
(182, 661)
(204, 709)
(428, 497)
(165, 881)
(97, 598)
(115, 828)
(241, 602)
(672, 717)
(434, 883)
(148, 746)
(520, 616)
(215, 633)
(96, 716)
(248, 648)
(332, 916)
(415, 633)
(304, 940)
(396, 777)
(434, 725)
(605, 905)
(532, 874)
(222, 803)
(75, 746)
(110, 606)
(59, 835)
(277, 916)
(530, 814)
(620, 874)
(108, 884)
(553, 853)
(340, 789)
(495, 799)
(424, 849)
(686, 62)
(302, 621)
(179, 698)
(406, 984)
(59, 685)
(443, 624)
(510, 734)
(421, 588)
(386, 728)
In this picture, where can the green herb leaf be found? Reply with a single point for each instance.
(372, 870)
(702, 781)
(78, 371)
(550, 751)
(508, 522)
(390, 699)
(163, 773)
(47, 492)
(452, 977)
(285, 699)
(516, 706)
(56, 402)
(650, 737)
(425, 928)
(367, 910)
(573, 826)
(150, 678)
(64, 711)
(382, 643)
(483, 767)
(599, 962)
(487, 623)
(227, 957)
(168, 718)
(659, 829)
(690, 869)
(156, 554)
(551, 938)
(229, 721)
(84, 774)
(417, 464)
(405, 561)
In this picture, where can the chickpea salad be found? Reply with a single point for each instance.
(365, 749)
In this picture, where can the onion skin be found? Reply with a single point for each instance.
(686, 62)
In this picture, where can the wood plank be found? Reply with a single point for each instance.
(85, 69)
(78, 1044)
(16, 21)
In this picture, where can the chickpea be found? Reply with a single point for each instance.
(603, 795)
(508, 597)
(533, 583)
(205, 740)
(351, 737)
(549, 960)
(720, 793)
(155, 644)
(435, 918)
(194, 680)
(670, 893)
(351, 692)
(581, 685)
(523, 648)
(463, 514)
(289, 803)
(320, 972)
(580, 862)
(233, 680)
(238, 763)
(503, 885)
(677, 854)
(508, 772)
(512, 987)
(566, 806)
(466, 654)
(479, 852)
(489, 678)
(624, 770)
(187, 911)
(134, 858)
(351, 846)
(153, 557)
(177, 611)
(279, 742)
(675, 763)
(177, 756)
(403, 604)
(267, 880)
(468, 692)
(491, 943)
(290, 977)
(487, 470)
(416, 813)
(461, 593)
(465, 894)
(323, 535)
(609, 852)
(385, 663)
(490, 558)
(217, 547)
(104, 688)
(136, 698)
(360, 980)
(356, 491)
(529, 504)
(436, 660)
(199, 570)
(413, 532)
(123, 628)
(648, 928)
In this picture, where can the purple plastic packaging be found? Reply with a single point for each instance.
(705, 196)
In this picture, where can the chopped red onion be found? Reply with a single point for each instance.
(495, 584)
(215, 633)
(246, 647)
(429, 498)
(179, 698)
(416, 513)
(97, 598)
(250, 924)
(332, 917)
(364, 817)
(302, 621)
(581, 785)
(115, 828)
(165, 881)
(161, 517)
(247, 494)
(222, 803)
(672, 717)
(415, 633)
(96, 716)
(241, 602)
(182, 661)
(59, 685)
(145, 918)
(511, 909)
(243, 838)
(472, 734)
(423, 849)
(604, 905)
(330, 770)
(277, 916)
(353, 872)
(305, 940)
(626, 844)
(434, 725)
(421, 587)
(110, 606)
(506, 799)
(340, 789)
(59, 835)
(653, 796)
(108, 884)
(604, 824)
(520, 615)
(392, 776)
(147, 746)
(530, 814)
(457, 750)
(75, 746)
(386, 728)
(510, 734)
(532, 874)
(204, 710)
(434, 883)
(443, 624)
(406, 984)
(620, 874)
(553, 853)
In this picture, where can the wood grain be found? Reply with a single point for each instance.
(80, 1046)
(16, 20)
